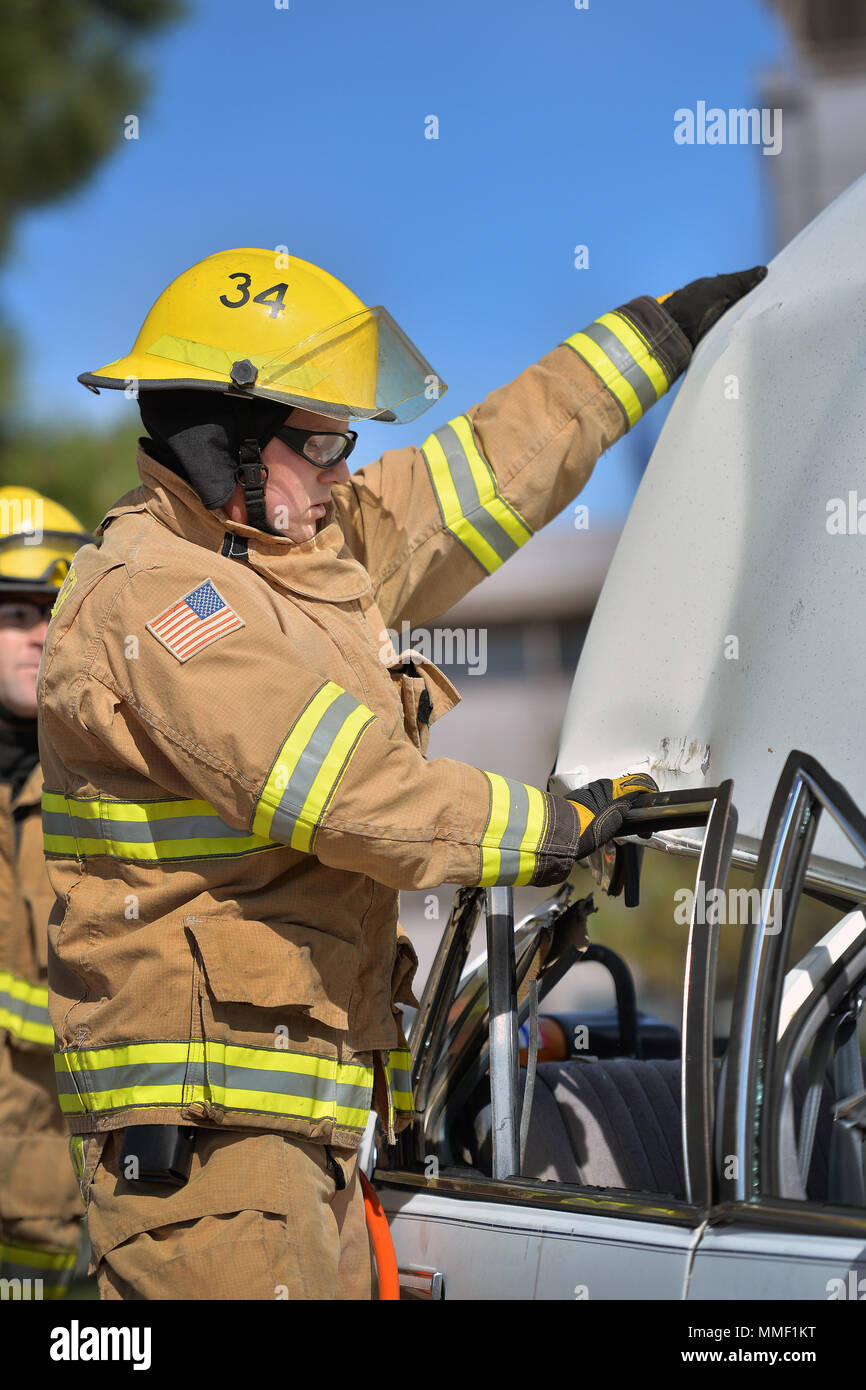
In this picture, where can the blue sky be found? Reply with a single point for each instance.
(305, 127)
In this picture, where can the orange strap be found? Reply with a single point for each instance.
(380, 1238)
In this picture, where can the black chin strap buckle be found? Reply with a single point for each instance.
(252, 475)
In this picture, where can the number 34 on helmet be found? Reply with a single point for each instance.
(259, 323)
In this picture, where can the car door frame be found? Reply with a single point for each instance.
(762, 1214)
(711, 807)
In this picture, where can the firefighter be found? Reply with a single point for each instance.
(235, 776)
(40, 1207)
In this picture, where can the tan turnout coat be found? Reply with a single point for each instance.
(230, 812)
(40, 1207)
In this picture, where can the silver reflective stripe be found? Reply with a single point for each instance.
(266, 1081)
(514, 833)
(471, 505)
(401, 1080)
(308, 767)
(232, 1077)
(138, 831)
(122, 1077)
(25, 1009)
(322, 1088)
(624, 363)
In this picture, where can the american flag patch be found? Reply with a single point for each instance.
(196, 620)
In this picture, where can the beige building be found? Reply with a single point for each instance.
(822, 95)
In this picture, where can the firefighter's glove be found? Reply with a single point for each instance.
(698, 305)
(600, 807)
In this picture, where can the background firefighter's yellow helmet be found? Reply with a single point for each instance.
(261, 323)
(38, 539)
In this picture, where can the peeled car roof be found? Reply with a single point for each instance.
(732, 624)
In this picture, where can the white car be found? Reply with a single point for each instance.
(726, 658)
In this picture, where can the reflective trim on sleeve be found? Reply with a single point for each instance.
(154, 831)
(398, 1071)
(471, 505)
(65, 590)
(622, 357)
(76, 1154)
(514, 833)
(255, 1080)
(309, 765)
(48, 1270)
(24, 1010)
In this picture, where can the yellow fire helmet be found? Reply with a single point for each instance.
(38, 540)
(261, 323)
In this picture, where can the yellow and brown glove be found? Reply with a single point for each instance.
(600, 807)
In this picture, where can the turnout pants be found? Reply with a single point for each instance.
(262, 1216)
(40, 1208)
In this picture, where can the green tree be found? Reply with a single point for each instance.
(87, 470)
(66, 84)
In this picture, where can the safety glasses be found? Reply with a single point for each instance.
(320, 449)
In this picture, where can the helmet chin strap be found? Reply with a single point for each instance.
(252, 474)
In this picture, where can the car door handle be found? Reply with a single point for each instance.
(419, 1283)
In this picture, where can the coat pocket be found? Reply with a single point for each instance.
(292, 968)
(416, 714)
(426, 694)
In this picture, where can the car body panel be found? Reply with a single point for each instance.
(737, 1262)
(493, 1250)
(729, 629)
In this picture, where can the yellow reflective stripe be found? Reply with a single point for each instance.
(452, 514)
(514, 833)
(492, 837)
(40, 1033)
(65, 590)
(24, 1010)
(621, 356)
(76, 1154)
(90, 1059)
(289, 756)
(275, 1103)
(468, 496)
(220, 361)
(536, 825)
(485, 481)
(126, 1098)
(610, 375)
(22, 1260)
(632, 339)
(143, 812)
(258, 1080)
(309, 766)
(64, 815)
(155, 851)
(39, 1259)
(398, 1068)
(329, 776)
